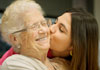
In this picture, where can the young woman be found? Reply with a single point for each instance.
(74, 36)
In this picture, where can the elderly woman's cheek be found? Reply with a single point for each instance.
(26, 38)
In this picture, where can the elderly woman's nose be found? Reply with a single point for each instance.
(52, 28)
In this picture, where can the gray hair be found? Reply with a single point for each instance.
(11, 19)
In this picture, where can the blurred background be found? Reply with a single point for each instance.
(53, 9)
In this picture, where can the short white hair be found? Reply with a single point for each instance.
(11, 22)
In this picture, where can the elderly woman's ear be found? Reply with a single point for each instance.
(13, 38)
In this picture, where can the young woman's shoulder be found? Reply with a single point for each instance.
(60, 63)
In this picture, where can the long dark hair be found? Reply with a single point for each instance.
(84, 33)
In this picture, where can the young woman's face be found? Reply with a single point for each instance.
(60, 44)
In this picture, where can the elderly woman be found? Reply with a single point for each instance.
(24, 27)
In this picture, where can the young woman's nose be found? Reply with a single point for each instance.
(52, 28)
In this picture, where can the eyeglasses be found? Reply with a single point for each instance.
(36, 26)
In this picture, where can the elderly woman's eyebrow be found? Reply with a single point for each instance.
(39, 22)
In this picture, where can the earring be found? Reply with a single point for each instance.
(71, 53)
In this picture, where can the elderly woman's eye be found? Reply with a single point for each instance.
(35, 26)
(44, 24)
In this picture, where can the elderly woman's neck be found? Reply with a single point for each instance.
(40, 55)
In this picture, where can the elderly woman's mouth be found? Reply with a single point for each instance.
(42, 39)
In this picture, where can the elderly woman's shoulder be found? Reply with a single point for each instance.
(21, 62)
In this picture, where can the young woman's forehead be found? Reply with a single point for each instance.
(65, 15)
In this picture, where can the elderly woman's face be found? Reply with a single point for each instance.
(61, 36)
(37, 33)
